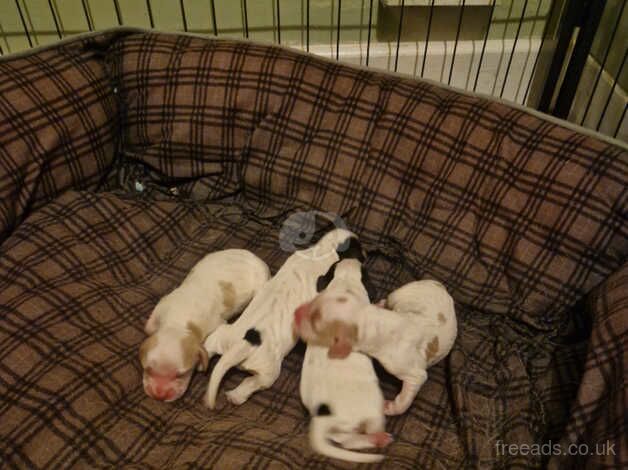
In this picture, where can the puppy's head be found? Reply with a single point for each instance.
(330, 320)
(169, 357)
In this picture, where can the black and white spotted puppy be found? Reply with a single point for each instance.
(218, 287)
(262, 336)
(342, 395)
(415, 331)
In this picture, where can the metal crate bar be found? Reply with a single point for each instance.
(621, 119)
(278, 23)
(610, 95)
(453, 57)
(19, 10)
(246, 19)
(149, 10)
(514, 47)
(488, 28)
(116, 6)
(338, 31)
(183, 18)
(603, 64)
(550, 15)
(54, 18)
(214, 24)
(368, 36)
(307, 26)
(427, 36)
(90, 25)
(399, 33)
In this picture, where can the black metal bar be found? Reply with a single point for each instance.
(368, 37)
(610, 95)
(54, 18)
(246, 19)
(488, 28)
(214, 24)
(603, 64)
(550, 14)
(399, 33)
(585, 15)
(338, 31)
(19, 10)
(621, 119)
(427, 36)
(116, 5)
(185, 21)
(149, 9)
(278, 23)
(514, 47)
(307, 26)
(90, 26)
(453, 58)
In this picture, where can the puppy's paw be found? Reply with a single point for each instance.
(380, 439)
(235, 398)
(207, 402)
(391, 408)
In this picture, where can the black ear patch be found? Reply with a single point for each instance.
(323, 281)
(323, 410)
(368, 285)
(351, 249)
(253, 337)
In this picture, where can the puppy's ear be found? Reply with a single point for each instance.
(344, 338)
(146, 345)
(152, 324)
(203, 359)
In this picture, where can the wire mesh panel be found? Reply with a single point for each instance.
(497, 47)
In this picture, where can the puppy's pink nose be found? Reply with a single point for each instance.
(162, 393)
(301, 313)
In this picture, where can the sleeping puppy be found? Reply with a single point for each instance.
(342, 395)
(258, 341)
(418, 332)
(218, 287)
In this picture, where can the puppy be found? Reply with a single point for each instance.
(342, 396)
(258, 341)
(218, 287)
(418, 332)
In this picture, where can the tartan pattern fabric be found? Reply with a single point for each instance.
(57, 126)
(518, 216)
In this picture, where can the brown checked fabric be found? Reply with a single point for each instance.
(173, 146)
(58, 124)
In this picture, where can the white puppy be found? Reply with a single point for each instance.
(417, 333)
(258, 341)
(218, 287)
(343, 395)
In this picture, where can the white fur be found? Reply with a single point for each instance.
(418, 332)
(271, 314)
(349, 387)
(219, 286)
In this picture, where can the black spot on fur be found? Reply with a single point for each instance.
(368, 285)
(253, 337)
(323, 410)
(351, 249)
(323, 281)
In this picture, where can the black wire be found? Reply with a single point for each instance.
(399, 33)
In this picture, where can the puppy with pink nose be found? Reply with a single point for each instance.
(217, 288)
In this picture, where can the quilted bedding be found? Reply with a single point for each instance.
(125, 156)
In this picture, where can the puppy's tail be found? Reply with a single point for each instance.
(234, 356)
(320, 426)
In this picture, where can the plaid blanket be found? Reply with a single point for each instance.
(126, 156)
